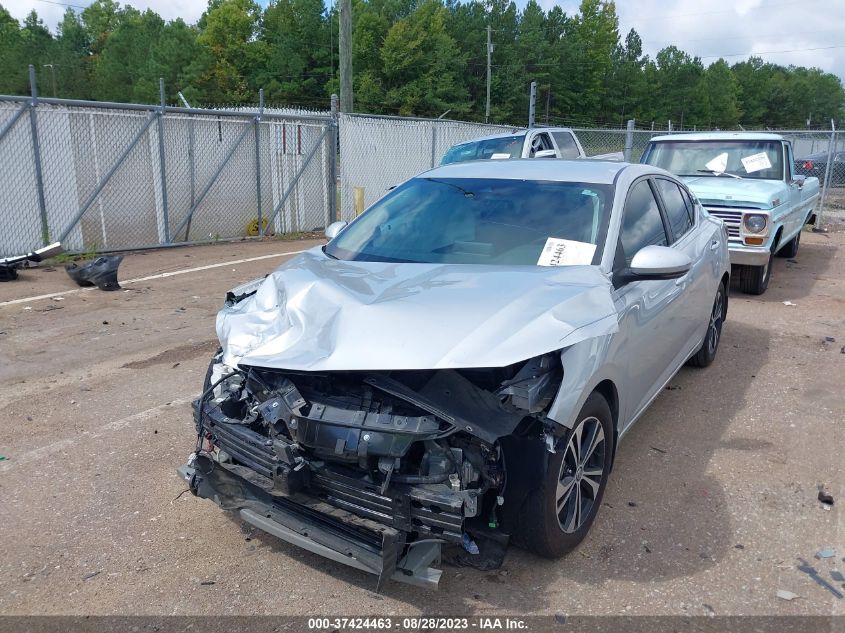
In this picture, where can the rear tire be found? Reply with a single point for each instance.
(790, 249)
(707, 352)
(557, 515)
(753, 280)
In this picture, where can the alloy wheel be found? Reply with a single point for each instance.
(581, 474)
(714, 331)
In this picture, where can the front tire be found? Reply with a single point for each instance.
(707, 352)
(558, 514)
(753, 280)
(790, 249)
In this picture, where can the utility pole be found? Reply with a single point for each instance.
(345, 54)
(489, 55)
(532, 104)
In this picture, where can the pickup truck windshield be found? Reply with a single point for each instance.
(479, 221)
(505, 147)
(746, 159)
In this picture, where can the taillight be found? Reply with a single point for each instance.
(808, 164)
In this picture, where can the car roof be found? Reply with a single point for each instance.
(720, 136)
(548, 169)
(515, 132)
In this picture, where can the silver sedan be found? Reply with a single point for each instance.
(456, 367)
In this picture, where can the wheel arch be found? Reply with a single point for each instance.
(607, 389)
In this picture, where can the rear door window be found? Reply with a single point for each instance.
(675, 207)
(566, 144)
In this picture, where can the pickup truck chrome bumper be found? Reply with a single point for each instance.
(748, 255)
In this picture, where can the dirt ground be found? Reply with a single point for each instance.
(711, 505)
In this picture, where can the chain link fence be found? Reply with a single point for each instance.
(107, 177)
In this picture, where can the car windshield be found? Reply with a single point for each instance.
(745, 159)
(504, 147)
(481, 221)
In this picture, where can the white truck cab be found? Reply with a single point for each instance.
(540, 142)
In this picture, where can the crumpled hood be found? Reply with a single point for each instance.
(724, 190)
(318, 314)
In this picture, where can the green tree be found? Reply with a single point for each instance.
(72, 64)
(227, 31)
(422, 66)
(722, 90)
(13, 70)
(120, 72)
(297, 51)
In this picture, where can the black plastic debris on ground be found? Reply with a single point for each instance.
(100, 272)
(825, 498)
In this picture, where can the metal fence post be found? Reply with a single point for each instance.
(161, 163)
(257, 124)
(826, 180)
(433, 143)
(191, 165)
(629, 141)
(36, 154)
(333, 160)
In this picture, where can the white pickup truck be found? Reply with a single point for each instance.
(545, 142)
(748, 180)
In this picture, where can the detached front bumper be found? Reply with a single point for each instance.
(748, 255)
(315, 526)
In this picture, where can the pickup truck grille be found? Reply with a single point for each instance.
(732, 220)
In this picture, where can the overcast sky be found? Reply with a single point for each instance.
(800, 32)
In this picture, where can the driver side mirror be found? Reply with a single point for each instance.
(545, 153)
(798, 180)
(334, 229)
(655, 263)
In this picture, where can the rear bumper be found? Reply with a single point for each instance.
(317, 527)
(748, 255)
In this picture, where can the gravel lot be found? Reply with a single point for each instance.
(712, 501)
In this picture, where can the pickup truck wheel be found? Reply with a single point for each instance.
(707, 352)
(790, 249)
(558, 515)
(753, 280)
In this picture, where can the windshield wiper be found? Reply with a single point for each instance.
(719, 173)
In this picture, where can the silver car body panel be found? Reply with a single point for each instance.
(319, 314)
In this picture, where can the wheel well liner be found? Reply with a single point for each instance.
(609, 392)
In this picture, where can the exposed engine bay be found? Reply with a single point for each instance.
(374, 469)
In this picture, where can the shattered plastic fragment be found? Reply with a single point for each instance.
(102, 272)
(787, 595)
(827, 552)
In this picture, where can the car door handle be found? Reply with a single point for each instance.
(714, 245)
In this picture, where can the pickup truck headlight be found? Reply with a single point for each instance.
(755, 222)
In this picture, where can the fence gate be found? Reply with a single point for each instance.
(108, 176)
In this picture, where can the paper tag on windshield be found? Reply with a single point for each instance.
(500, 156)
(718, 164)
(756, 162)
(559, 252)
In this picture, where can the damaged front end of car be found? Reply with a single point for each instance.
(376, 470)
